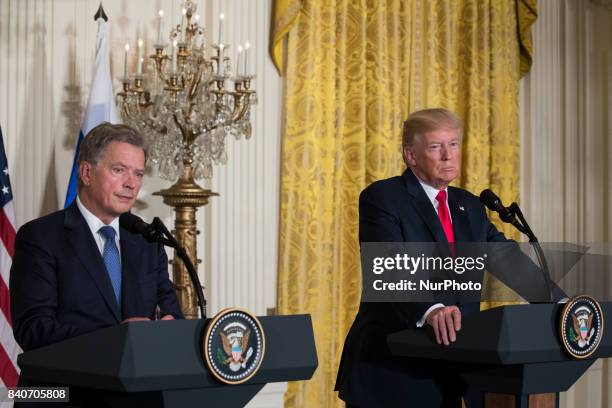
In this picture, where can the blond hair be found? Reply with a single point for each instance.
(428, 120)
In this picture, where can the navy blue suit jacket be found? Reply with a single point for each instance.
(60, 287)
(398, 210)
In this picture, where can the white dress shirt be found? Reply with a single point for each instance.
(432, 193)
(94, 224)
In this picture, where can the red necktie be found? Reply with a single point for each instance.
(444, 216)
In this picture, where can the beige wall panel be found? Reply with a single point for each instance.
(566, 109)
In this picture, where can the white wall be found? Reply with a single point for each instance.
(567, 143)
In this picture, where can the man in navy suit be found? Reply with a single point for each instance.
(77, 270)
(418, 206)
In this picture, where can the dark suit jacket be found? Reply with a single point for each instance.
(398, 210)
(60, 287)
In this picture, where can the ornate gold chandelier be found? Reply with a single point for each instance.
(181, 104)
(186, 109)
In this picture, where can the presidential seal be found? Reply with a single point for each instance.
(234, 346)
(581, 326)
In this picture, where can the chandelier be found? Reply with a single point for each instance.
(181, 103)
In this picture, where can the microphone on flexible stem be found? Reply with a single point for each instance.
(493, 203)
(136, 225)
(157, 232)
(509, 214)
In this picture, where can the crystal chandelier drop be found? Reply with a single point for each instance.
(181, 103)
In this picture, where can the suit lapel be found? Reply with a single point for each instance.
(131, 254)
(86, 249)
(423, 206)
(461, 223)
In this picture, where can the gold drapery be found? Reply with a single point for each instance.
(353, 71)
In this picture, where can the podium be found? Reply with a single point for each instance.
(507, 350)
(160, 364)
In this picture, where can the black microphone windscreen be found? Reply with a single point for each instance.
(132, 223)
(490, 200)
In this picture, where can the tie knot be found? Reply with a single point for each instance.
(107, 232)
(441, 196)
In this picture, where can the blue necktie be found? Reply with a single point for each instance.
(112, 260)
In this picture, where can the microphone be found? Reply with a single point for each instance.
(157, 232)
(136, 225)
(509, 214)
(493, 203)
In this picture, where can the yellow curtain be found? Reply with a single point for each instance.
(353, 71)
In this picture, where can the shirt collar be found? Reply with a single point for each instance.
(93, 222)
(431, 192)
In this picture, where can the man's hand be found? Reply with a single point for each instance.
(446, 322)
(136, 319)
(167, 317)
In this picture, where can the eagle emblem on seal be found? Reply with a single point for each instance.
(234, 345)
(581, 326)
(582, 329)
(235, 342)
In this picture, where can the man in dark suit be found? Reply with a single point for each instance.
(76, 270)
(418, 206)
